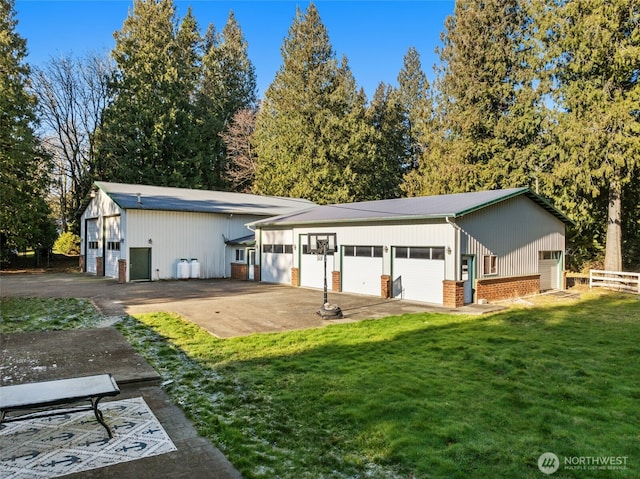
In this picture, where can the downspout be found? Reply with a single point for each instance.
(456, 244)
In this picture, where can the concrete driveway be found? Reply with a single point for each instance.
(225, 308)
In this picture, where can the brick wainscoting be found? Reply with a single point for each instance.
(385, 286)
(493, 289)
(335, 281)
(453, 293)
(99, 268)
(122, 271)
(239, 271)
(295, 277)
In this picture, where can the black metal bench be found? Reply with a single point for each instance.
(46, 395)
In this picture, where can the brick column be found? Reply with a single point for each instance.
(335, 281)
(81, 263)
(256, 273)
(453, 293)
(99, 269)
(295, 277)
(385, 286)
(122, 271)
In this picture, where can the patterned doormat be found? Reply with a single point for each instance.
(59, 445)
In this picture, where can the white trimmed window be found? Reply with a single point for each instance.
(490, 265)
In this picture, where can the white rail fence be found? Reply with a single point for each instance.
(618, 280)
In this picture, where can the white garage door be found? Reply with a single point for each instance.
(361, 269)
(112, 238)
(92, 233)
(549, 269)
(418, 273)
(276, 263)
(312, 272)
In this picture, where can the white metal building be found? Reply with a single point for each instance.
(139, 232)
(448, 249)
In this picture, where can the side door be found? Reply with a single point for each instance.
(140, 264)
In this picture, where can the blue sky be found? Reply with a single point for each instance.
(374, 35)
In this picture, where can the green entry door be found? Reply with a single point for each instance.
(139, 264)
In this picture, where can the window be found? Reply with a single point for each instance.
(490, 265)
(240, 255)
(548, 255)
(93, 245)
(437, 253)
(113, 245)
(363, 251)
(278, 248)
(419, 252)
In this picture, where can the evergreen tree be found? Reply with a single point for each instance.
(312, 137)
(24, 166)
(592, 54)
(488, 115)
(415, 100)
(147, 134)
(387, 116)
(228, 85)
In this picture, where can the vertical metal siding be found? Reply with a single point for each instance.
(515, 231)
(176, 235)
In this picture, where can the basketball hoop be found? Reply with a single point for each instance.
(322, 244)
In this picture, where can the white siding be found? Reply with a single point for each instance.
(515, 231)
(175, 235)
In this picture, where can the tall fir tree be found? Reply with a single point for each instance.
(312, 138)
(488, 117)
(592, 57)
(146, 135)
(387, 116)
(24, 166)
(228, 85)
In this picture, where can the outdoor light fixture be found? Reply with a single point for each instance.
(448, 249)
(150, 241)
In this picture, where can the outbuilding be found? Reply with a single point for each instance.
(143, 233)
(448, 250)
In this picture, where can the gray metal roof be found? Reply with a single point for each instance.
(441, 206)
(146, 197)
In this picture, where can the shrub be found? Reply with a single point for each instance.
(67, 243)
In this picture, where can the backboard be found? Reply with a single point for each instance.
(318, 241)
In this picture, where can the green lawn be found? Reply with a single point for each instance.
(415, 396)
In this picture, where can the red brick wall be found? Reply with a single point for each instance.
(239, 271)
(453, 293)
(335, 281)
(256, 272)
(99, 269)
(493, 289)
(295, 277)
(122, 271)
(81, 263)
(385, 286)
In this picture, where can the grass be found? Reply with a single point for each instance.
(421, 395)
(19, 315)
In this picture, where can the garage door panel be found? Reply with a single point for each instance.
(276, 268)
(361, 275)
(312, 270)
(91, 245)
(418, 279)
(112, 253)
